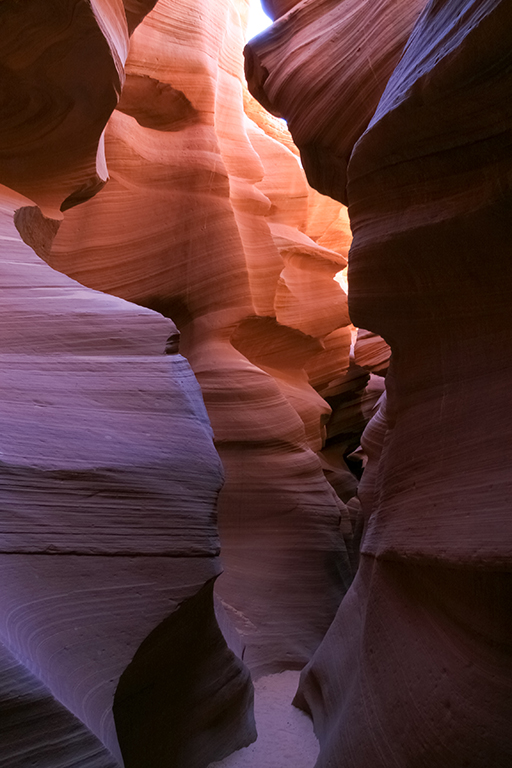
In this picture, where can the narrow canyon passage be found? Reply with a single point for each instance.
(188, 542)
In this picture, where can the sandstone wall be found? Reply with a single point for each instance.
(416, 668)
(177, 207)
(108, 476)
(206, 219)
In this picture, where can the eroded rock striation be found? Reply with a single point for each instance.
(294, 70)
(118, 223)
(107, 458)
(149, 196)
(108, 478)
(416, 669)
(208, 219)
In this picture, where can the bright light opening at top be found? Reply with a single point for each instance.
(258, 20)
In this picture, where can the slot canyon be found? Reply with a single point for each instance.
(255, 417)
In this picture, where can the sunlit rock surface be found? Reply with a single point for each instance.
(108, 475)
(208, 219)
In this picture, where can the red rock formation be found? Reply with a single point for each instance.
(371, 352)
(228, 257)
(108, 475)
(416, 670)
(109, 467)
(43, 51)
(314, 53)
(109, 478)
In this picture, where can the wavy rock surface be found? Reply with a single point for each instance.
(37, 730)
(416, 670)
(314, 57)
(53, 109)
(205, 218)
(371, 352)
(100, 491)
(108, 475)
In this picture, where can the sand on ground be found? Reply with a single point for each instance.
(285, 734)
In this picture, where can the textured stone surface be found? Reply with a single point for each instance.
(208, 218)
(109, 481)
(323, 66)
(53, 109)
(416, 670)
(37, 730)
(108, 474)
(190, 200)
(371, 352)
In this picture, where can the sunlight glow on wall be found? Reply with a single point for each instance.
(342, 279)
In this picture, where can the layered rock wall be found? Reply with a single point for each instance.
(206, 219)
(110, 485)
(293, 70)
(416, 668)
(108, 477)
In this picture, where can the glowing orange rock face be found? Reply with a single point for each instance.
(207, 218)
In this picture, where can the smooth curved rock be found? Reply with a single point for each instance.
(37, 730)
(416, 670)
(201, 225)
(371, 352)
(53, 109)
(323, 67)
(97, 540)
(108, 475)
(110, 479)
(276, 8)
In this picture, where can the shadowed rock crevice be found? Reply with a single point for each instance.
(136, 10)
(36, 230)
(169, 709)
(156, 105)
(53, 110)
